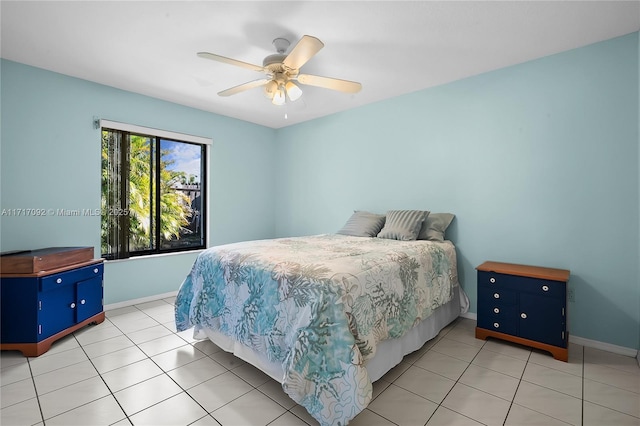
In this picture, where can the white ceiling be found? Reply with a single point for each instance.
(391, 47)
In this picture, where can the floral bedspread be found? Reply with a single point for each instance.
(318, 305)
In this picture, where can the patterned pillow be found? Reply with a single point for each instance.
(363, 224)
(403, 224)
(435, 225)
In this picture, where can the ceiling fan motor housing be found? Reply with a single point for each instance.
(274, 62)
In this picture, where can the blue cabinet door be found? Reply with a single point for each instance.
(56, 311)
(542, 319)
(89, 298)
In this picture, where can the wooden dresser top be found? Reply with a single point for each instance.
(525, 271)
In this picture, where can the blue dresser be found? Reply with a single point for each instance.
(524, 304)
(39, 308)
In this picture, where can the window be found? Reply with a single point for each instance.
(153, 191)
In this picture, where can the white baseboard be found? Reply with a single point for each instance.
(620, 350)
(138, 301)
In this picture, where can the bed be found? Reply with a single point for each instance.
(324, 315)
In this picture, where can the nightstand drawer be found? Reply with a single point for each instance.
(496, 296)
(522, 284)
(54, 281)
(554, 289)
(498, 323)
(493, 279)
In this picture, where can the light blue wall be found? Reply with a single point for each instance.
(539, 162)
(50, 158)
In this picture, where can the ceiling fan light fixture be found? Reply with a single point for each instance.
(293, 91)
(279, 96)
(270, 89)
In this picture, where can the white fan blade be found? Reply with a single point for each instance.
(243, 87)
(304, 50)
(330, 83)
(224, 59)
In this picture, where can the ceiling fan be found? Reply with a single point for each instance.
(283, 70)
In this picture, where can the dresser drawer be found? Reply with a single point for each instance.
(554, 289)
(493, 280)
(499, 323)
(489, 297)
(54, 281)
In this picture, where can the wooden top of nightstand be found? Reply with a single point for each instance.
(525, 271)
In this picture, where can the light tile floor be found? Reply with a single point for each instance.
(135, 369)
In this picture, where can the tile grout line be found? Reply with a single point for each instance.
(516, 391)
(35, 388)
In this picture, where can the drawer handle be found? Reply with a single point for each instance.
(95, 270)
(59, 280)
(496, 325)
(545, 288)
(496, 310)
(523, 315)
(72, 305)
(492, 280)
(82, 302)
(496, 295)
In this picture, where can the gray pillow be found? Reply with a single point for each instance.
(403, 225)
(363, 224)
(435, 225)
